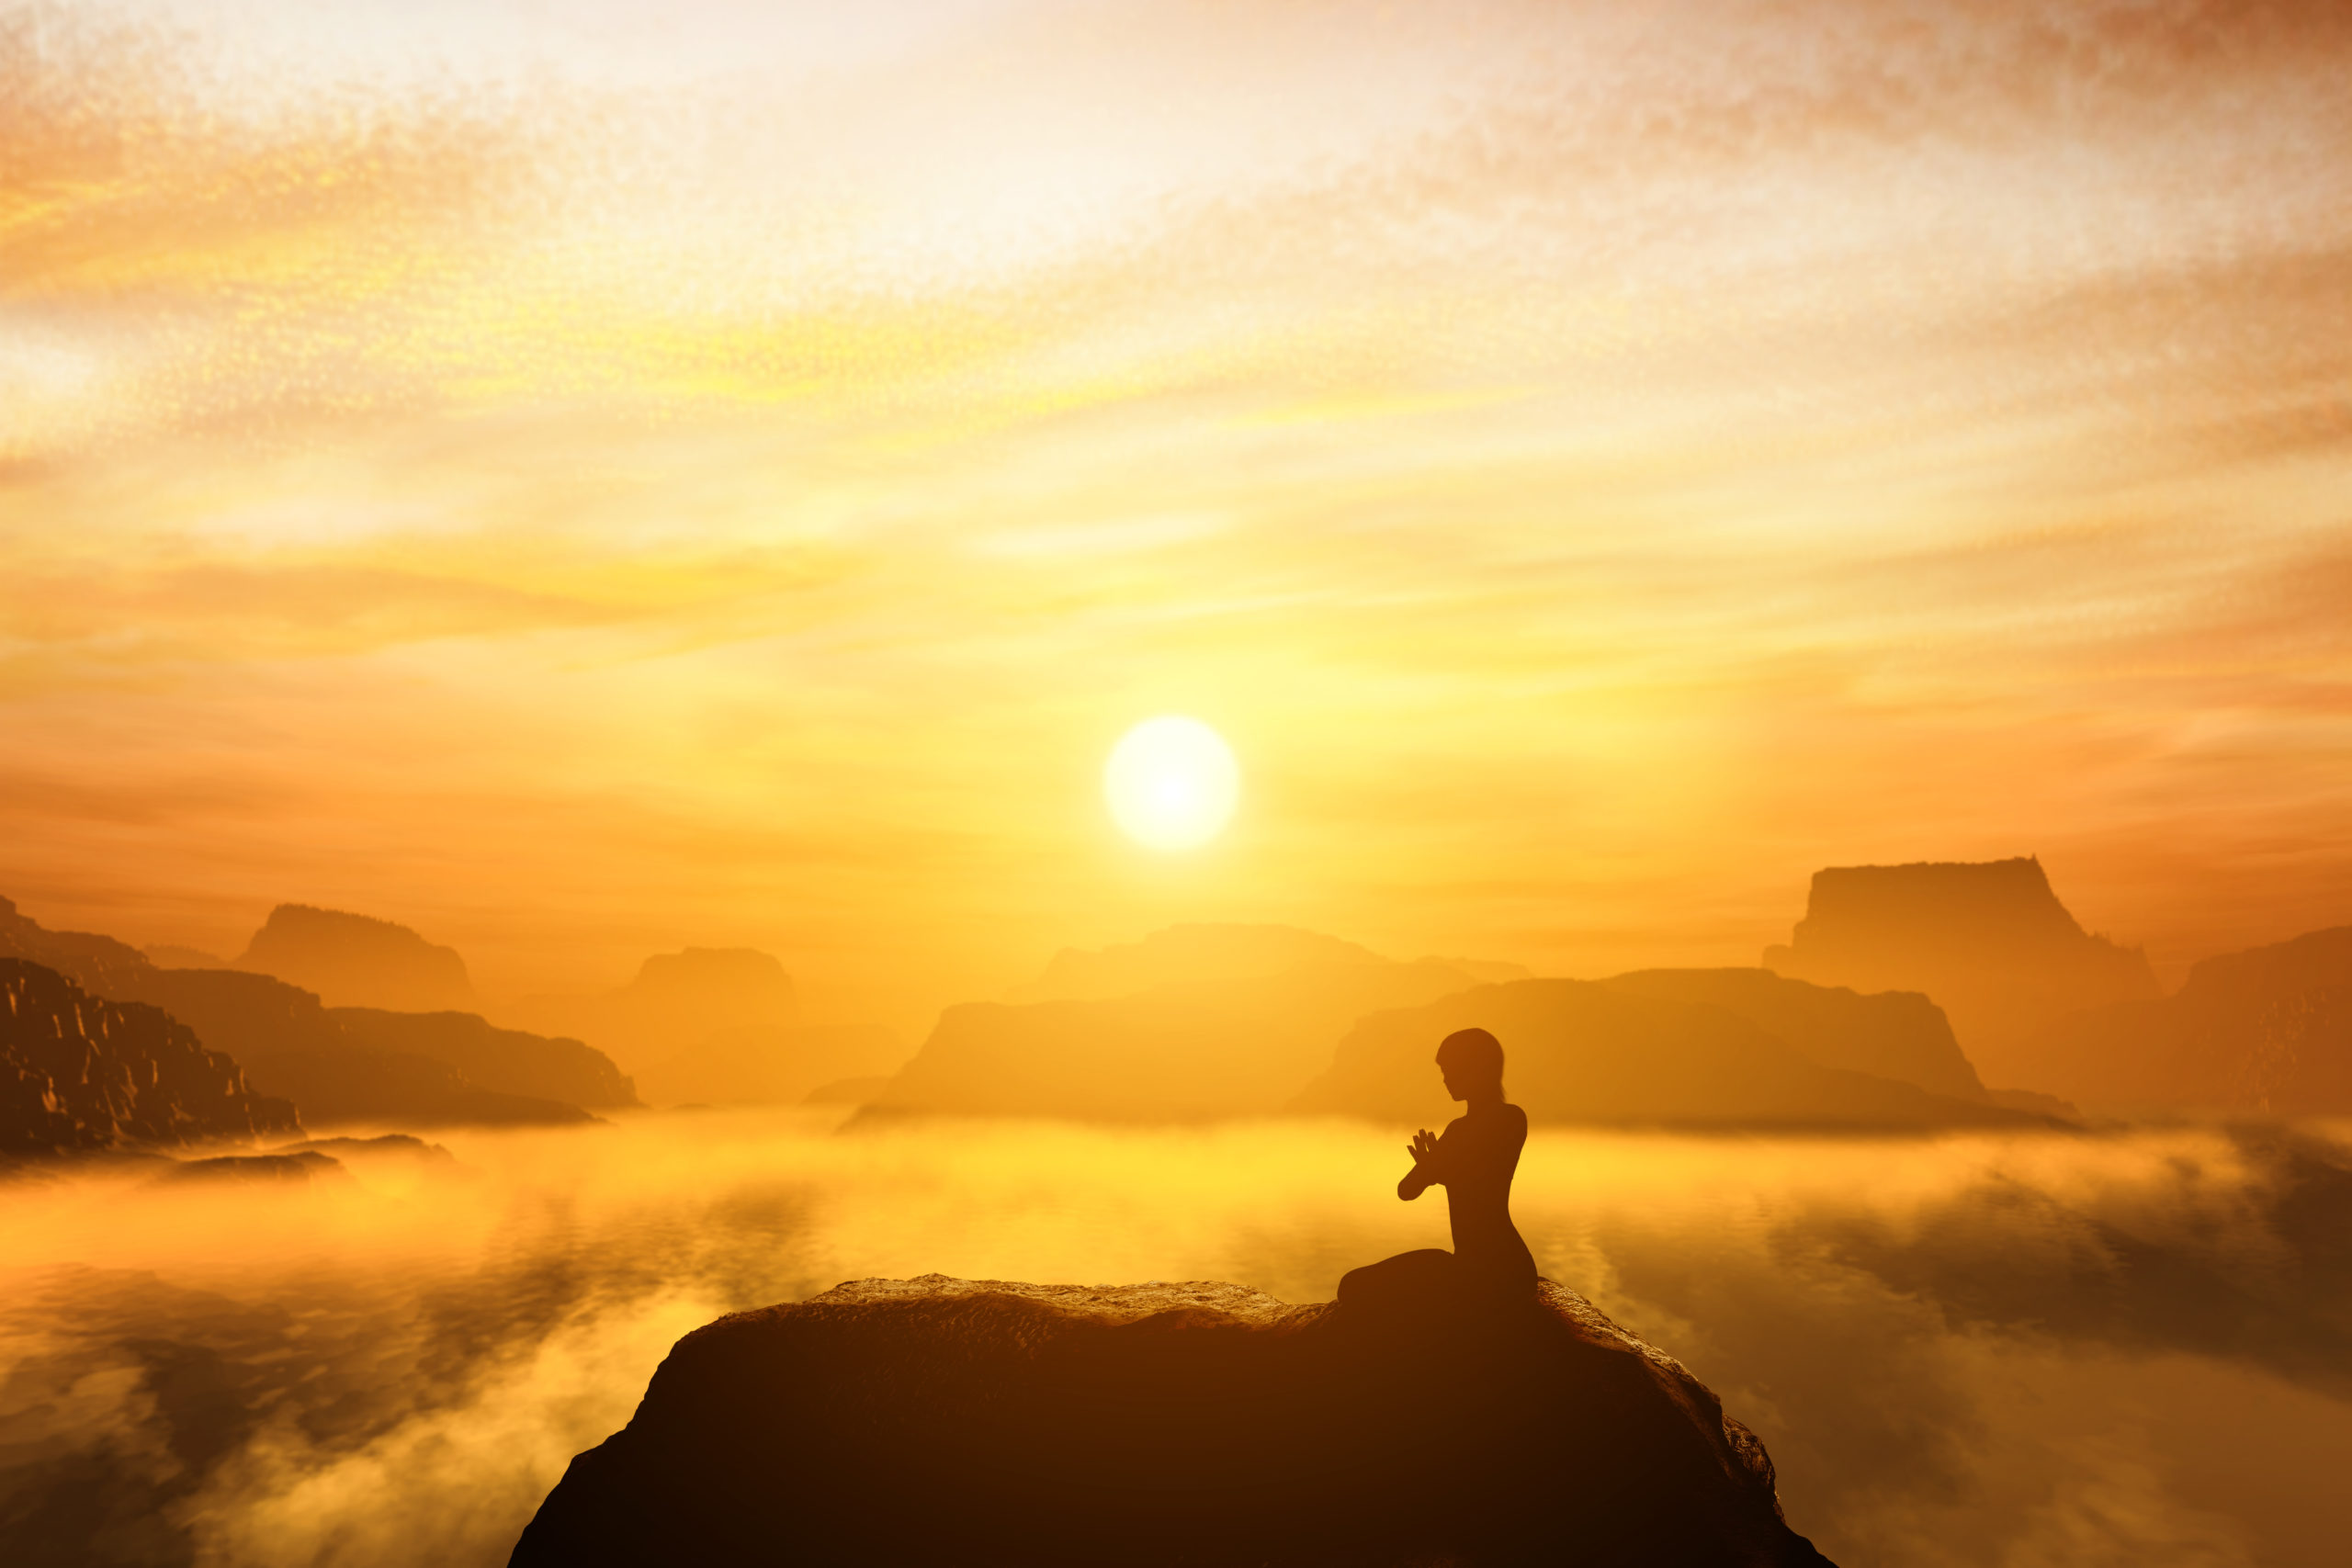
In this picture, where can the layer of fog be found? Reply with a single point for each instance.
(2016, 1350)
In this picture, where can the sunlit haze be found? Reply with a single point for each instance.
(580, 480)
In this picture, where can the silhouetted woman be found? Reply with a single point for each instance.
(1474, 1161)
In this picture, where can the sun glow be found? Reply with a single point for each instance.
(1171, 783)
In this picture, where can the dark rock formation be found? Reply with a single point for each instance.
(1990, 943)
(1584, 1051)
(2268, 1030)
(357, 961)
(255, 1170)
(339, 1064)
(939, 1420)
(390, 1148)
(1894, 1034)
(1184, 1051)
(78, 1073)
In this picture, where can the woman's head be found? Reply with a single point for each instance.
(1472, 1062)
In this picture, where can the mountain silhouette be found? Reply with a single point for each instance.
(939, 1420)
(717, 1026)
(2268, 1030)
(80, 1073)
(1988, 941)
(1592, 1051)
(1184, 1050)
(1893, 1034)
(357, 961)
(341, 1065)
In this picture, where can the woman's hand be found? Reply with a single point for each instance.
(1423, 1147)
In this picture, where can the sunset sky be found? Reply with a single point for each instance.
(585, 479)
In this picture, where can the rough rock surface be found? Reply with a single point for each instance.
(81, 1074)
(940, 1420)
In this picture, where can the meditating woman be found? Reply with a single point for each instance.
(1474, 1161)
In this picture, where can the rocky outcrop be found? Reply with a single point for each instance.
(81, 1074)
(300, 1169)
(1587, 1052)
(357, 961)
(1892, 1034)
(2268, 1030)
(1988, 941)
(341, 1065)
(1185, 1050)
(939, 1420)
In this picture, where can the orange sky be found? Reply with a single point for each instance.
(584, 480)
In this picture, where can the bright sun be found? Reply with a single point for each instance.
(1171, 783)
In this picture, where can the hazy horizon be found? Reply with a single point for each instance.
(578, 486)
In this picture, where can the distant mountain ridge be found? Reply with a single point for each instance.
(716, 1025)
(357, 961)
(1594, 1053)
(80, 1073)
(2268, 1030)
(341, 1065)
(1207, 1035)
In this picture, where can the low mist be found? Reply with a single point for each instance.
(2016, 1350)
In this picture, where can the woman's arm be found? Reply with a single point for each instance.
(1418, 1180)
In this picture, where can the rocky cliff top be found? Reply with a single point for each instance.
(1191, 1422)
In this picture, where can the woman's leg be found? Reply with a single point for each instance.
(1409, 1276)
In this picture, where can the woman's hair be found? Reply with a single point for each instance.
(1474, 1050)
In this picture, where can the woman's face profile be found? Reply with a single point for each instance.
(1456, 1088)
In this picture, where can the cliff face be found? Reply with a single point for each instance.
(1989, 942)
(2268, 1030)
(80, 1073)
(955, 1421)
(340, 1065)
(356, 961)
(1582, 1051)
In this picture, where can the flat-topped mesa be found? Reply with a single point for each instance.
(1989, 941)
(942, 1420)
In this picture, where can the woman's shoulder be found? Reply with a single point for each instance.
(1516, 1117)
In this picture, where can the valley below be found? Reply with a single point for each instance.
(2119, 1346)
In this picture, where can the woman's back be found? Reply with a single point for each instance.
(1477, 1157)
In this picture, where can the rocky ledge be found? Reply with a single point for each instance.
(940, 1420)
